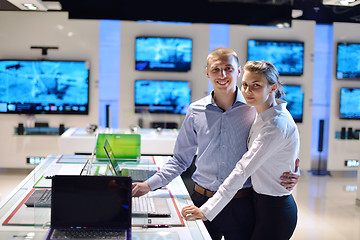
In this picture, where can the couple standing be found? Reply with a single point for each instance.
(234, 141)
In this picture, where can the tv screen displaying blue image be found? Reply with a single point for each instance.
(162, 96)
(350, 103)
(348, 61)
(163, 54)
(294, 97)
(287, 56)
(44, 87)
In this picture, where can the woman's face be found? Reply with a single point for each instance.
(257, 91)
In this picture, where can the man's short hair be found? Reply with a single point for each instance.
(222, 51)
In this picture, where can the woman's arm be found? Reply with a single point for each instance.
(265, 146)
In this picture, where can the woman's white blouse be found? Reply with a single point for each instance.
(273, 148)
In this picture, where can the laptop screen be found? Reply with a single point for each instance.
(114, 166)
(126, 147)
(91, 201)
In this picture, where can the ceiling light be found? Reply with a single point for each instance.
(343, 3)
(53, 5)
(295, 13)
(29, 5)
(283, 25)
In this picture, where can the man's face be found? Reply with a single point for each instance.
(223, 72)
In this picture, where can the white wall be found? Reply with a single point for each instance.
(199, 33)
(18, 32)
(300, 31)
(342, 149)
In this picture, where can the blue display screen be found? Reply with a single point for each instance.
(163, 54)
(162, 96)
(350, 103)
(348, 61)
(288, 57)
(44, 87)
(294, 97)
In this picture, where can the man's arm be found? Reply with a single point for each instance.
(290, 179)
(184, 151)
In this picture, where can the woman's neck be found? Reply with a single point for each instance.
(266, 105)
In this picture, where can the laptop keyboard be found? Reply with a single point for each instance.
(143, 205)
(40, 198)
(140, 175)
(88, 234)
(153, 207)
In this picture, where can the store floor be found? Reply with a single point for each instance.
(326, 205)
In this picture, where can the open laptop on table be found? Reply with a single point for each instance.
(137, 175)
(152, 207)
(90, 207)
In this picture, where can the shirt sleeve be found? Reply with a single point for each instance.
(184, 152)
(264, 146)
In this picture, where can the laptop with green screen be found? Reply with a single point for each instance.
(137, 175)
(126, 147)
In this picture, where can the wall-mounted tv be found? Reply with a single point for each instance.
(348, 61)
(44, 87)
(350, 103)
(163, 54)
(162, 96)
(294, 97)
(287, 56)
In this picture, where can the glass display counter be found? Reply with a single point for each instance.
(19, 221)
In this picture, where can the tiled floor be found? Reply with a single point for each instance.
(327, 208)
(326, 205)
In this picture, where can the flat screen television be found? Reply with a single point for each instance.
(44, 87)
(162, 96)
(287, 56)
(350, 103)
(163, 54)
(294, 97)
(348, 61)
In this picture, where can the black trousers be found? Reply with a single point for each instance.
(234, 222)
(276, 217)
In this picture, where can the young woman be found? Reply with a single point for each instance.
(273, 147)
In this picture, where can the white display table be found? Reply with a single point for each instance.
(21, 222)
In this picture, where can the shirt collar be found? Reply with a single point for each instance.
(238, 98)
(273, 111)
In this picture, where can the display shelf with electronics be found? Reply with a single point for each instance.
(162, 96)
(294, 96)
(350, 103)
(287, 56)
(344, 138)
(163, 54)
(44, 87)
(347, 61)
(39, 130)
(345, 153)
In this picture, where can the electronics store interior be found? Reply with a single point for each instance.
(96, 112)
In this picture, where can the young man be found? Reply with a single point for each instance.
(217, 127)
